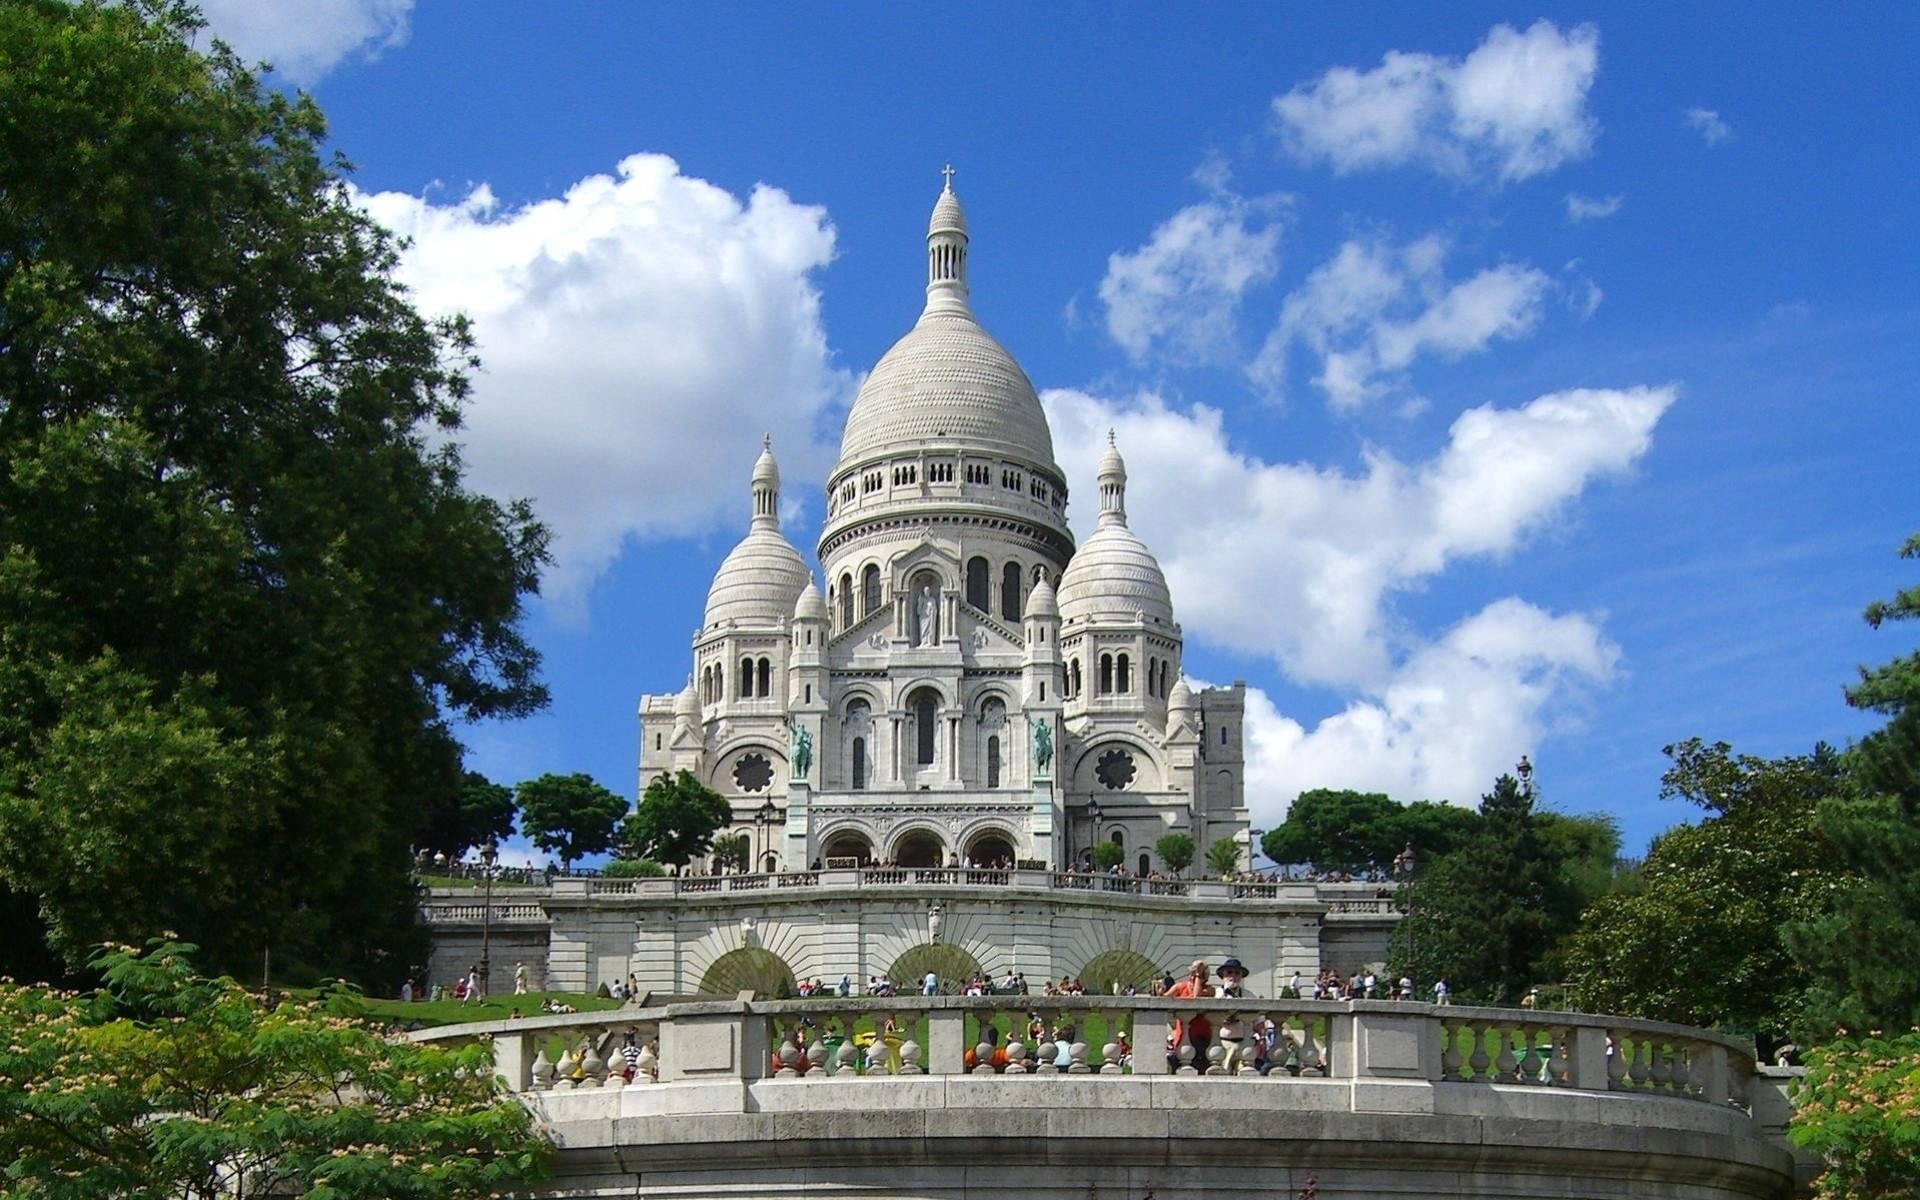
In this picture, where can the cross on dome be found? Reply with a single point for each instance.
(947, 172)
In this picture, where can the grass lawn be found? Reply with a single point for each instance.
(463, 881)
(497, 1008)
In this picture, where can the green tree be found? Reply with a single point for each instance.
(569, 816)
(1108, 855)
(1175, 850)
(1858, 1112)
(1702, 942)
(675, 820)
(243, 590)
(1337, 831)
(1486, 914)
(730, 852)
(1223, 857)
(1865, 954)
(478, 810)
(166, 1084)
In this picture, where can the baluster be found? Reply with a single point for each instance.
(816, 1055)
(543, 1069)
(593, 1068)
(1110, 1050)
(1312, 1062)
(983, 1048)
(1077, 1056)
(848, 1054)
(1506, 1066)
(1697, 1056)
(1530, 1056)
(877, 1048)
(910, 1058)
(1616, 1060)
(789, 1052)
(1662, 1072)
(647, 1069)
(567, 1074)
(1560, 1065)
(1478, 1060)
(1638, 1070)
(1183, 1050)
(1450, 1058)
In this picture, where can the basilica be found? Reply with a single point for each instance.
(971, 686)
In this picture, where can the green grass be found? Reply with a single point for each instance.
(430, 1013)
(463, 881)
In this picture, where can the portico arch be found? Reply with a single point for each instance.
(919, 848)
(847, 843)
(988, 847)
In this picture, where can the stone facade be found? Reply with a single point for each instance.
(970, 686)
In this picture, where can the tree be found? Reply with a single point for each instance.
(1856, 1111)
(479, 811)
(1108, 855)
(243, 590)
(675, 820)
(1175, 850)
(1485, 915)
(569, 816)
(730, 851)
(1224, 856)
(164, 1083)
(1337, 830)
(1702, 942)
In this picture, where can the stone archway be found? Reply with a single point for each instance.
(952, 965)
(919, 848)
(1112, 970)
(988, 847)
(749, 968)
(845, 844)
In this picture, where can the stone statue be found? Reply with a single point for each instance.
(1042, 743)
(933, 923)
(802, 748)
(929, 622)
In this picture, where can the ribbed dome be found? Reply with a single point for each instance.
(1113, 574)
(1180, 696)
(811, 606)
(687, 703)
(947, 382)
(759, 583)
(1041, 602)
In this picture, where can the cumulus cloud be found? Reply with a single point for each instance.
(304, 39)
(1707, 123)
(1513, 108)
(1301, 565)
(1591, 208)
(636, 333)
(1374, 308)
(1180, 291)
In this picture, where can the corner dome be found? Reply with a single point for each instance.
(1114, 576)
(687, 703)
(1041, 602)
(811, 606)
(760, 582)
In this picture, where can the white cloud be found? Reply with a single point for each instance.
(1513, 108)
(1300, 564)
(304, 39)
(1373, 309)
(1181, 289)
(1707, 123)
(1591, 208)
(635, 333)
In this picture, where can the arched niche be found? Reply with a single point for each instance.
(749, 968)
(952, 965)
(1117, 970)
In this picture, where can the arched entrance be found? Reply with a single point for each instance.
(989, 848)
(749, 968)
(846, 844)
(1113, 971)
(951, 965)
(919, 848)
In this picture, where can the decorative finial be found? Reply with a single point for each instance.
(766, 441)
(1110, 440)
(947, 171)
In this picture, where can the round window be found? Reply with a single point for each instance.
(1116, 770)
(752, 773)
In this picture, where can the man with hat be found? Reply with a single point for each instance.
(1233, 978)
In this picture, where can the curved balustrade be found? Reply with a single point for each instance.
(442, 912)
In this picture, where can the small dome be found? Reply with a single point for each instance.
(760, 582)
(811, 606)
(1180, 696)
(687, 703)
(947, 216)
(766, 472)
(1040, 601)
(1113, 574)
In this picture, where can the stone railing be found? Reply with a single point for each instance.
(1343, 898)
(442, 911)
(821, 1043)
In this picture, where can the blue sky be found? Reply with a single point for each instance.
(1492, 380)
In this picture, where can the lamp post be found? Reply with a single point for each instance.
(1096, 816)
(1525, 768)
(763, 821)
(1404, 865)
(489, 855)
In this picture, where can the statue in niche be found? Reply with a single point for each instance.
(802, 748)
(927, 619)
(1042, 743)
(933, 923)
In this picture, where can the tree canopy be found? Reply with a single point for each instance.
(243, 590)
(1175, 850)
(1338, 830)
(569, 816)
(475, 812)
(166, 1085)
(675, 821)
(1223, 856)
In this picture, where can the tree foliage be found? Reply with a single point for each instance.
(1338, 830)
(165, 1085)
(675, 821)
(1701, 942)
(1223, 856)
(1108, 855)
(569, 816)
(1175, 850)
(474, 813)
(1858, 1111)
(1892, 687)
(730, 852)
(242, 588)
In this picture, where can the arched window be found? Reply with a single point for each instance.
(1073, 679)
(1223, 735)
(926, 707)
(993, 761)
(1106, 674)
(846, 602)
(1146, 864)
(719, 683)
(766, 678)
(979, 576)
(1124, 681)
(1153, 665)
(1163, 677)
(859, 764)
(1010, 591)
(706, 685)
(869, 591)
(746, 678)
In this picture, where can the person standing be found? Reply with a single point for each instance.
(1199, 1030)
(931, 984)
(1233, 979)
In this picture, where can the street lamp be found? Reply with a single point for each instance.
(1404, 865)
(763, 821)
(1094, 813)
(1525, 767)
(489, 855)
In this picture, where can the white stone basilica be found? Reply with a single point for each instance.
(971, 686)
